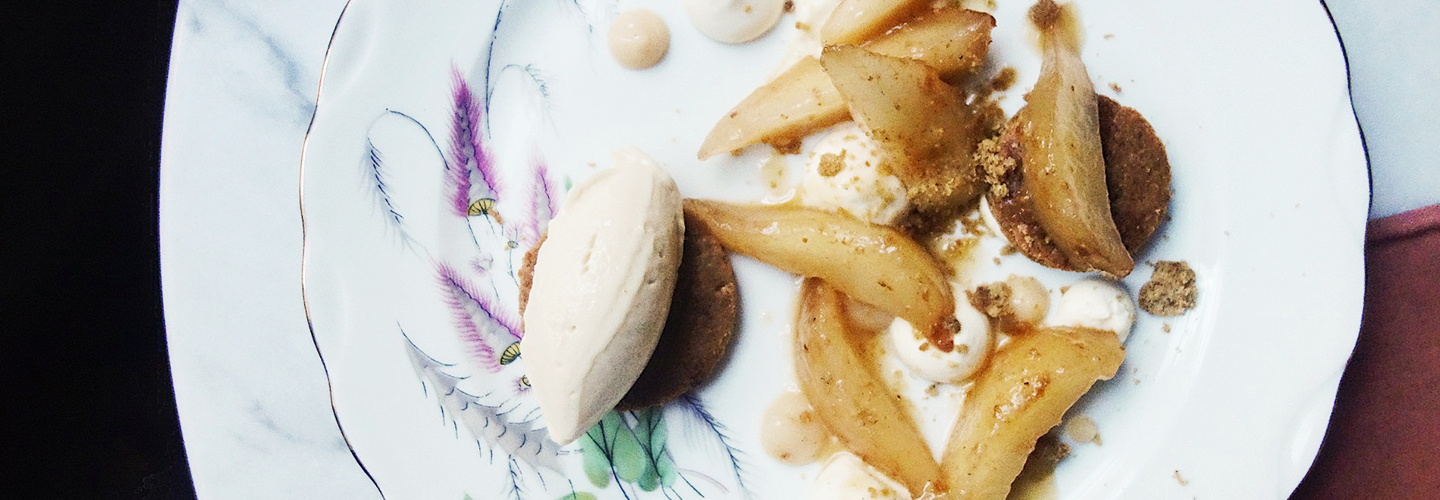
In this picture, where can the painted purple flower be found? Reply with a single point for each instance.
(468, 155)
(484, 328)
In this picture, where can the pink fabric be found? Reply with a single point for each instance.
(1384, 437)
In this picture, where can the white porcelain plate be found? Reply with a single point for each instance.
(447, 132)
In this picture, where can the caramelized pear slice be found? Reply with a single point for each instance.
(1021, 394)
(953, 40)
(856, 21)
(802, 100)
(870, 263)
(842, 381)
(1061, 154)
(926, 132)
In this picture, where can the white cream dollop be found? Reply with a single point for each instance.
(861, 187)
(734, 21)
(1098, 304)
(601, 291)
(972, 346)
(845, 477)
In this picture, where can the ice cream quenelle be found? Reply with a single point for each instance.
(601, 291)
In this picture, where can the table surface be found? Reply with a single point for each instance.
(229, 208)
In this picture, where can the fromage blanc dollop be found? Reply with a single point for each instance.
(972, 346)
(638, 39)
(845, 477)
(601, 291)
(844, 173)
(1097, 304)
(734, 21)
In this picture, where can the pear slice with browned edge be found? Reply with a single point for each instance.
(856, 21)
(870, 263)
(1020, 395)
(842, 381)
(780, 113)
(952, 40)
(802, 100)
(1061, 153)
(926, 133)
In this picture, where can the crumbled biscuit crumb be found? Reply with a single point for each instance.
(1049, 451)
(1008, 249)
(1180, 479)
(1115, 86)
(992, 299)
(831, 164)
(1171, 290)
(1165, 327)
(1003, 80)
(994, 165)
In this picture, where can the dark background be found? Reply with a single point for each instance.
(89, 406)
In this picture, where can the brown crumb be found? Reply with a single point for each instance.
(1171, 290)
(1044, 14)
(997, 260)
(1165, 327)
(1049, 451)
(992, 300)
(994, 165)
(1008, 249)
(831, 164)
(974, 226)
(802, 26)
(1180, 479)
(933, 390)
(1108, 36)
(789, 6)
(1115, 86)
(785, 146)
(1003, 80)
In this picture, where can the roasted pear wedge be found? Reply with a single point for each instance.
(1028, 385)
(1062, 158)
(926, 133)
(952, 40)
(846, 389)
(856, 21)
(870, 263)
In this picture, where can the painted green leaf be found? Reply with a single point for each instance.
(467, 497)
(629, 458)
(650, 429)
(666, 469)
(596, 462)
(579, 495)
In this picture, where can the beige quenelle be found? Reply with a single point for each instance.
(601, 291)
